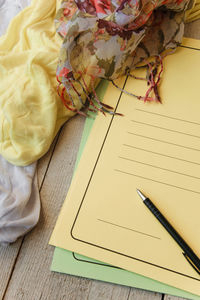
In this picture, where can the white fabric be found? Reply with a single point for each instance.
(19, 193)
(9, 9)
(19, 200)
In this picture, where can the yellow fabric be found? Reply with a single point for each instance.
(194, 13)
(31, 112)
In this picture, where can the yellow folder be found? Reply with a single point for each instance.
(155, 148)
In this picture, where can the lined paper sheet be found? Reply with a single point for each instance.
(156, 148)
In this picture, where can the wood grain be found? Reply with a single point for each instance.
(31, 274)
(143, 295)
(9, 254)
(31, 278)
(168, 297)
(25, 273)
(103, 291)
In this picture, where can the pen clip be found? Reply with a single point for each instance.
(191, 263)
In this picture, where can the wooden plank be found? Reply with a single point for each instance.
(36, 263)
(143, 295)
(43, 163)
(9, 254)
(8, 257)
(31, 278)
(40, 283)
(168, 297)
(104, 291)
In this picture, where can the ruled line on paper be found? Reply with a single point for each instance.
(157, 167)
(161, 154)
(157, 140)
(167, 129)
(127, 228)
(166, 116)
(161, 182)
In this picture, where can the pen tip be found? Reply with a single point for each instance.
(142, 196)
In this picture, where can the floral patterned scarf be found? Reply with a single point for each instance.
(108, 39)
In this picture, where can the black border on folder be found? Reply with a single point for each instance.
(93, 262)
(98, 246)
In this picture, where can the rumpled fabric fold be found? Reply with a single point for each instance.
(31, 111)
(109, 38)
(19, 193)
(19, 200)
(193, 13)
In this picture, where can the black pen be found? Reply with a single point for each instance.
(188, 252)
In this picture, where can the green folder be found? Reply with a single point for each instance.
(71, 263)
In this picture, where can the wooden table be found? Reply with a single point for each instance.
(25, 266)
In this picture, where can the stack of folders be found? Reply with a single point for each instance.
(104, 231)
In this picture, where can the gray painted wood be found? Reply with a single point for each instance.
(9, 254)
(101, 290)
(169, 297)
(31, 278)
(136, 294)
(25, 265)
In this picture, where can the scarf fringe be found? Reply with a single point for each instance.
(154, 70)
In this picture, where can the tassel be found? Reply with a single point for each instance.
(153, 79)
